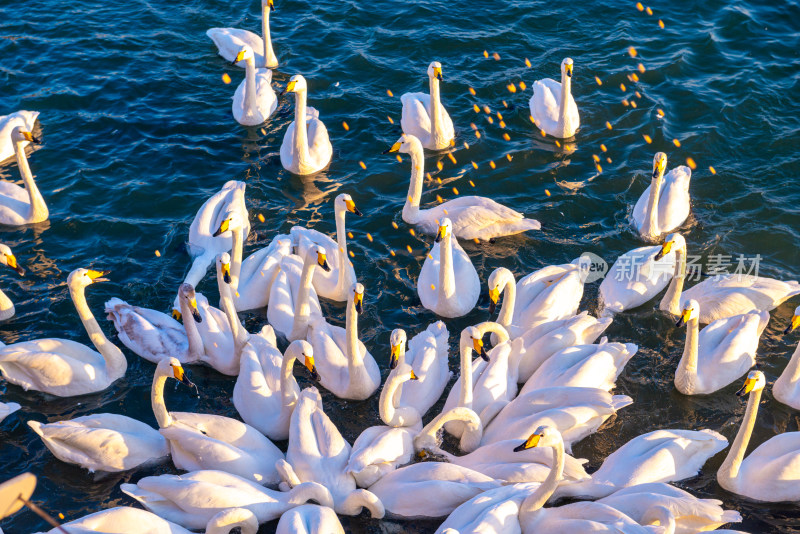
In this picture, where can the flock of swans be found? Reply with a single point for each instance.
(516, 408)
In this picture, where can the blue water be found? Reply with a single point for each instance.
(138, 132)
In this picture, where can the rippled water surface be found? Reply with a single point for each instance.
(138, 132)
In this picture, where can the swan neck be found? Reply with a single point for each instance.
(390, 414)
(411, 208)
(236, 257)
(341, 240)
(270, 61)
(563, 115)
(250, 103)
(354, 358)
(302, 306)
(6, 306)
(672, 298)
(435, 112)
(792, 371)
(226, 303)
(538, 498)
(39, 211)
(650, 228)
(192, 333)
(729, 469)
(114, 359)
(506, 314)
(300, 127)
(157, 400)
(465, 395)
(688, 363)
(289, 387)
(447, 275)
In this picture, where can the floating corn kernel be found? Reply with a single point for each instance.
(430, 258)
(477, 135)
(660, 112)
(649, 11)
(474, 165)
(158, 254)
(499, 115)
(428, 176)
(391, 121)
(496, 56)
(472, 91)
(455, 190)
(599, 168)
(491, 120)
(410, 251)
(634, 77)
(391, 252)
(508, 157)
(713, 170)
(263, 131)
(472, 183)
(676, 142)
(433, 287)
(506, 136)
(632, 51)
(522, 86)
(466, 145)
(641, 68)
(603, 148)
(596, 158)
(350, 235)
(505, 104)
(546, 192)
(690, 162)
(439, 165)
(647, 139)
(639, 6)
(394, 224)
(445, 212)
(622, 87)
(451, 157)
(410, 231)
(487, 110)
(369, 237)
(633, 104)
(608, 125)
(439, 199)
(226, 79)
(638, 94)
(661, 24)
(351, 253)
(345, 126)
(485, 53)
(261, 217)
(399, 158)
(599, 82)
(492, 165)
(527, 62)
(511, 88)
(473, 126)
(625, 102)
(608, 160)
(60, 515)
(502, 124)
(558, 143)
(477, 241)
(363, 165)
(544, 134)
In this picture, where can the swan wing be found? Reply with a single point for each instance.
(427, 355)
(230, 40)
(211, 214)
(148, 333)
(377, 451)
(545, 103)
(635, 278)
(319, 143)
(494, 511)
(56, 366)
(415, 119)
(674, 201)
(121, 520)
(258, 273)
(329, 350)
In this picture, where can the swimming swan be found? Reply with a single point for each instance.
(7, 258)
(786, 388)
(425, 117)
(292, 300)
(254, 100)
(446, 263)
(720, 353)
(473, 217)
(664, 205)
(22, 205)
(62, 367)
(230, 40)
(306, 147)
(552, 106)
(22, 119)
(770, 473)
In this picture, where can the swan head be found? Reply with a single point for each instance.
(20, 135)
(345, 202)
(498, 278)
(544, 436)
(227, 520)
(186, 292)
(297, 84)
(407, 144)
(566, 67)
(445, 229)
(171, 367)
(674, 241)
(358, 297)
(691, 310)
(245, 53)
(7, 258)
(755, 381)
(86, 277)
(317, 254)
(233, 220)
(435, 70)
(471, 337)
(795, 321)
(398, 342)
(268, 3)
(224, 261)
(302, 349)
(659, 164)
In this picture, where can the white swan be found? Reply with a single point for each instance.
(446, 263)
(473, 217)
(658, 456)
(266, 390)
(380, 449)
(7, 258)
(786, 388)
(427, 355)
(719, 354)
(203, 441)
(192, 499)
(543, 341)
(425, 117)
(574, 412)
(103, 442)
(254, 100)
(22, 205)
(772, 471)
(336, 283)
(309, 519)
(345, 366)
(306, 147)
(22, 119)
(230, 40)
(639, 275)
(552, 106)
(205, 243)
(590, 366)
(7, 408)
(252, 279)
(292, 300)
(317, 452)
(122, 520)
(62, 367)
(664, 205)
(549, 294)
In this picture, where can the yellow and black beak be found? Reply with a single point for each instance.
(748, 386)
(181, 376)
(239, 57)
(684, 317)
(223, 227)
(437, 73)
(195, 311)
(309, 363)
(31, 138)
(226, 272)
(413, 376)
(358, 301)
(529, 443)
(477, 346)
(97, 276)
(394, 356)
(289, 87)
(494, 297)
(351, 207)
(666, 248)
(271, 5)
(176, 314)
(568, 70)
(394, 148)
(440, 234)
(322, 261)
(794, 324)
(11, 261)
(659, 167)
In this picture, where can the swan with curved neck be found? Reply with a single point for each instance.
(345, 366)
(473, 217)
(292, 300)
(22, 205)
(664, 205)
(552, 106)
(425, 117)
(336, 283)
(23, 119)
(230, 40)
(398, 416)
(8, 259)
(306, 147)
(254, 100)
(770, 473)
(786, 388)
(205, 441)
(63, 367)
(436, 284)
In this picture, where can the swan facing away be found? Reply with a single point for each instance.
(425, 117)
(254, 100)
(7, 258)
(63, 367)
(306, 147)
(552, 106)
(771, 472)
(473, 217)
(309, 519)
(22, 205)
(664, 205)
(230, 40)
(19, 119)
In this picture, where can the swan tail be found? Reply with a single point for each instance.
(359, 499)
(620, 401)
(530, 224)
(731, 516)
